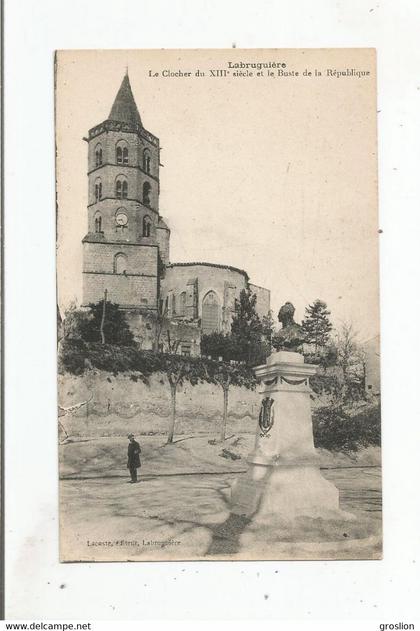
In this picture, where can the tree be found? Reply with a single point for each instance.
(224, 380)
(198, 369)
(267, 323)
(72, 325)
(176, 368)
(106, 318)
(160, 319)
(350, 359)
(247, 331)
(226, 375)
(326, 359)
(316, 325)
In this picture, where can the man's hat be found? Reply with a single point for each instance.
(130, 436)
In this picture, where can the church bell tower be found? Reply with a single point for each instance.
(126, 235)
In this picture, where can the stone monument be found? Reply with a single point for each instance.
(284, 481)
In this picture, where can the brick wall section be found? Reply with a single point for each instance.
(263, 299)
(126, 290)
(162, 238)
(99, 257)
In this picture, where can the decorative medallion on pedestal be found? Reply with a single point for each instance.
(266, 418)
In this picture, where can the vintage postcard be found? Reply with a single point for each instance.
(218, 311)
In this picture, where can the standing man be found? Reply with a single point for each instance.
(133, 461)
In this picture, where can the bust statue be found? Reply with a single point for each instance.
(286, 313)
(291, 335)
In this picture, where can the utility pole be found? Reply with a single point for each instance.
(103, 318)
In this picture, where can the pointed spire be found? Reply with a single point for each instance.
(125, 109)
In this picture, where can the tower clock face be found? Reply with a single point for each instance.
(121, 219)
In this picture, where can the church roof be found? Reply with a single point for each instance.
(125, 109)
(229, 267)
(162, 223)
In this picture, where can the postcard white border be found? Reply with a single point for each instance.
(38, 587)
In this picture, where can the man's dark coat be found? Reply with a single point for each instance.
(133, 452)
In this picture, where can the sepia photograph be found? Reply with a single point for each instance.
(218, 333)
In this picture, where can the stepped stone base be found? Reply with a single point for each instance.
(284, 493)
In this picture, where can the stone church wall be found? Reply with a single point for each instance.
(100, 258)
(163, 238)
(263, 299)
(226, 282)
(210, 278)
(123, 289)
(135, 291)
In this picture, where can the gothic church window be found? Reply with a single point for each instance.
(210, 314)
(98, 156)
(146, 193)
(120, 263)
(98, 190)
(121, 153)
(98, 223)
(173, 304)
(146, 161)
(121, 188)
(183, 303)
(147, 223)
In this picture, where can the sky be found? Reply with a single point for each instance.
(273, 174)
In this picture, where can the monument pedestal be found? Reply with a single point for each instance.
(284, 481)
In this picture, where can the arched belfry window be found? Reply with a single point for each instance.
(121, 187)
(98, 190)
(147, 225)
(183, 303)
(146, 161)
(210, 313)
(98, 155)
(120, 263)
(146, 193)
(121, 152)
(98, 222)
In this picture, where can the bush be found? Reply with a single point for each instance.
(325, 357)
(217, 345)
(72, 357)
(325, 384)
(336, 429)
(77, 355)
(116, 329)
